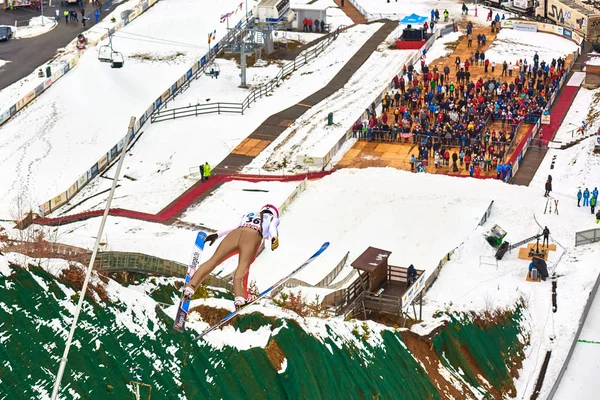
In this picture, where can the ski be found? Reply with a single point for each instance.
(182, 310)
(232, 315)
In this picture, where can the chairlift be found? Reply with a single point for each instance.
(105, 53)
(213, 70)
(117, 60)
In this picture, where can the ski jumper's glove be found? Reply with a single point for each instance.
(210, 239)
(274, 243)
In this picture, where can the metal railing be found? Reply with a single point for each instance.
(587, 237)
(198, 109)
(238, 108)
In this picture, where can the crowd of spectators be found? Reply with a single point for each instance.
(440, 109)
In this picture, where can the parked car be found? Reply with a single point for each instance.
(6, 33)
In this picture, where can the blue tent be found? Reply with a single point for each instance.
(413, 19)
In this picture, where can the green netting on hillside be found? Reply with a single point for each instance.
(106, 354)
(490, 348)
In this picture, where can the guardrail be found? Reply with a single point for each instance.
(587, 237)
(210, 108)
(198, 109)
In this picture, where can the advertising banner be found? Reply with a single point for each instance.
(413, 292)
(4, 116)
(114, 151)
(72, 190)
(518, 26)
(567, 33)
(94, 170)
(82, 180)
(58, 200)
(165, 95)
(102, 162)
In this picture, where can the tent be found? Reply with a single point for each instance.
(413, 19)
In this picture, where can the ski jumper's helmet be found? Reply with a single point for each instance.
(270, 209)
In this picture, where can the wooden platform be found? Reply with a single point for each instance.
(524, 251)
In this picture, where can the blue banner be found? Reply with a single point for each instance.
(203, 61)
(94, 170)
(113, 152)
(39, 89)
(188, 75)
(568, 33)
(174, 87)
(158, 102)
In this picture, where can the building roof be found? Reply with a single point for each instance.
(370, 259)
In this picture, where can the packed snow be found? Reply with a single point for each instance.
(512, 45)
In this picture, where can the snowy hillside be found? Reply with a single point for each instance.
(127, 336)
(47, 146)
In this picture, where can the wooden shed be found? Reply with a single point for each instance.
(374, 262)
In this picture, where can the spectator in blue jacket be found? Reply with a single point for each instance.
(586, 197)
(595, 193)
(579, 196)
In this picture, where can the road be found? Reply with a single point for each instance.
(26, 55)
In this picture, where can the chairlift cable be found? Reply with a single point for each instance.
(151, 39)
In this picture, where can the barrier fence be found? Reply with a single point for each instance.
(210, 108)
(587, 237)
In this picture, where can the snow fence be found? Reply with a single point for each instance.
(132, 335)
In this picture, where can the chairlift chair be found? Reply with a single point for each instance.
(213, 70)
(105, 53)
(117, 60)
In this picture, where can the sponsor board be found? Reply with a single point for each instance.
(518, 26)
(413, 292)
(72, 190)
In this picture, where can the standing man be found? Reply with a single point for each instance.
(97, 15)
(593, 201)
(546, 233)
(342, 3)
(548, 187)
(206, 171)
(586, 197)
(201, 168)
(411, 275)
(66, 15)
(579, 196)
(56, 15)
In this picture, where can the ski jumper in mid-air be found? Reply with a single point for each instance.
(244, 239)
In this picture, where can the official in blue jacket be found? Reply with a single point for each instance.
(586, 197)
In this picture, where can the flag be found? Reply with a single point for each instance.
(214, 35)
(209, 38)
(240, 6)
